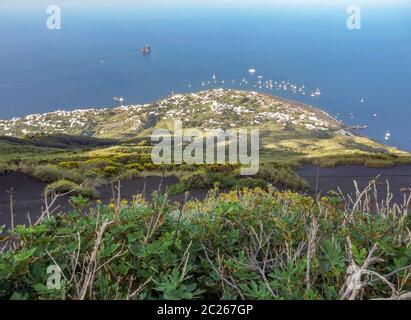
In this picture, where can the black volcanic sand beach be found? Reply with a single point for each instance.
(342, 177)
(28, 199)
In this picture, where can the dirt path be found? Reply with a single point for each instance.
(28, 199)
(322, 180)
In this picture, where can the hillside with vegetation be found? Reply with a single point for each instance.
(290, 132)
(98, 146)
(249, 238)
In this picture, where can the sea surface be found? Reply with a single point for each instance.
(364, 75)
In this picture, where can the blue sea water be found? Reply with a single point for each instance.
(96, 56)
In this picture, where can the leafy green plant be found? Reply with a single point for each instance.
(79, 202)
(248, 244)
(65, 186)
(60, 186)
(51, 173)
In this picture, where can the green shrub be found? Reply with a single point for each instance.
(149, 166)
(51, 173)
(251, 183)
(97, 163)
(87, 192)
(60, 186)
(377, 160)
(125, 159)
(69, 164)
(196, 180)
(282, 176)
(270, 244)
(269, 174)
(110, 171)
(130, 174)
(144, 143)
(377, 163)
(65, 186)
(221, 168)
(47, 173)
(135, 166)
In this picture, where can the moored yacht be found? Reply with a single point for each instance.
(118, 99)
(387, 135)
(146, 49)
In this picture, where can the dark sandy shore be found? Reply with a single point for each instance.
(28, 199)
(323, 180)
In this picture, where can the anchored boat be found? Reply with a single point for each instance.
(146, 49)
(119, 99)
(387, 135)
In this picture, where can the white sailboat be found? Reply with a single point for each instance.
(118, 99)
(387, 135)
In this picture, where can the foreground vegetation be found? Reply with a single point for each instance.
(252, 244)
